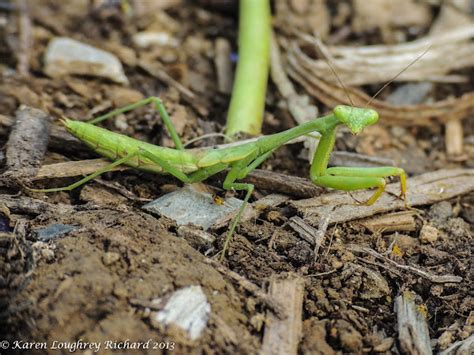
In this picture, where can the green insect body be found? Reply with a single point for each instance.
(114, 146)
(195, 165)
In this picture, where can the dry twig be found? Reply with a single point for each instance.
(274, 305)
(412, 269)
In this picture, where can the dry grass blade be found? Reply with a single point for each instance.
(331, 95)
(380, 63)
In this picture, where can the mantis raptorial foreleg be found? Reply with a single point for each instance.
(159, 106)
(379, 172)
(351, 178)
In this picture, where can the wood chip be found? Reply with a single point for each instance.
(413, 333)
(403, 221)
(223, 65)
(28, 140)
(282, 336)
(454, 137)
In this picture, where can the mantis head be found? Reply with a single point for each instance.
(356, 118)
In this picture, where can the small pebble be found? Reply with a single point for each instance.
(187, 308)
(47, 255)
(53, 231)
(146, 39)
(337, 264)
(385, 345)
(429, 234)
(65, 56)
(110, 257)
(441, 211)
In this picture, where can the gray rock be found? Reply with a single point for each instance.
(188, 206)
(65, 56)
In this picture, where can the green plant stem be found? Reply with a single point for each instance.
(248, 94)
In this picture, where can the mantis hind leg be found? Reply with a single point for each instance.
(236, 186)
(103, 170)
(158, 105)
(350, 179)
(239, 170)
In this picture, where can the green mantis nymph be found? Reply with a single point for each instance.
(195, 165)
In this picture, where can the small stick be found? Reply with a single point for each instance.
(412, 269)
(263, 179)
(454, 138)
(25, 40)
(315, 237)
(283, 336)
(73, 168)
(223, 65)
(403, 221)
(273, 304)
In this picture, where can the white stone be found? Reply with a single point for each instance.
(66, 56)
(188, 309)
(146, 39)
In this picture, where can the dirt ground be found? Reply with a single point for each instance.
(98, 280)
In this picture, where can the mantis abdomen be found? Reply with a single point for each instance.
(114, 146)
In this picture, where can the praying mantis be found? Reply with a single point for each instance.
(195, 165)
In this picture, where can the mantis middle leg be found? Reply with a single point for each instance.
(103, 170)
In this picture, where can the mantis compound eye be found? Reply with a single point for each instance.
(356, 118)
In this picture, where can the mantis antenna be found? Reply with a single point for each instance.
(396, 76)
(319, 48)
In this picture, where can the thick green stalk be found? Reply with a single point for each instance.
(250, 84)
